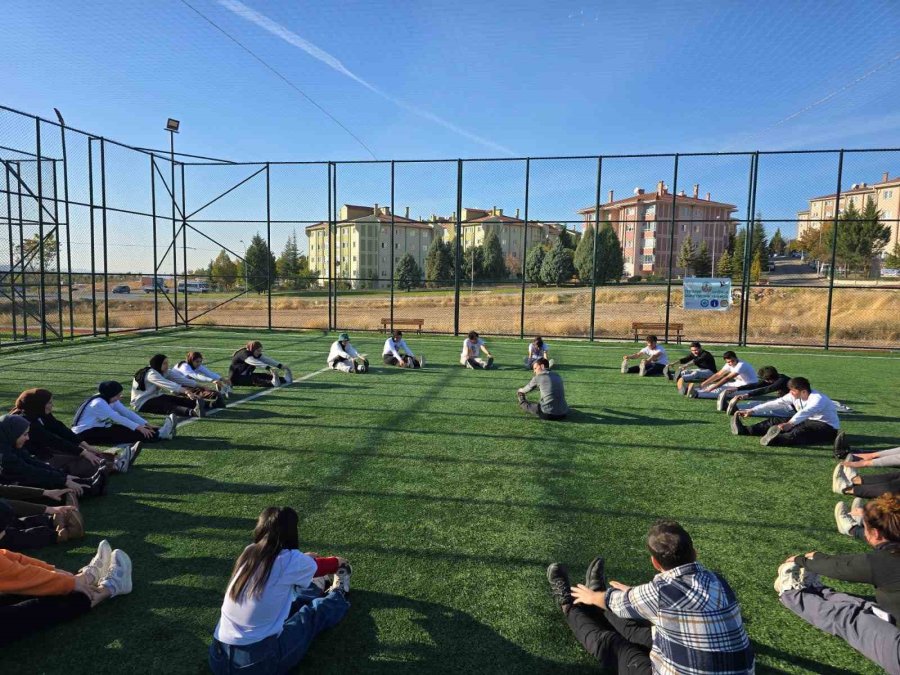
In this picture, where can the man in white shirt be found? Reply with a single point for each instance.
(653, 359)
(473, 345)
(397, 353)
(814, 420)
(344, 357)
(734, 375)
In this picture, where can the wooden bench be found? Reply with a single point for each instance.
(660, 328)
(418, 323)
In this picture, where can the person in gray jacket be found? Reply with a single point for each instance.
(552, 405)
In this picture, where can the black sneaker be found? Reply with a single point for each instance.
(490, 361)
(669, 375)
(560, 588)
(595, 577)
(737, 428)
(841, 446)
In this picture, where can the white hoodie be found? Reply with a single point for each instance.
(155, 384)
(336, 352)
(97, 413)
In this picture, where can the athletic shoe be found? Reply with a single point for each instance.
(770, 435)
(288, 376)
(323, 583)
(135, 453)
(220, 402)
(276, 381)
(167, 430)
(669, 375)
(117, 579)
(421, 362)
(199, 408)
(595, 577)
(490, 362)
(97, 568)
(721, 404)
(69, 526)
(841, 446)
(342, 579)
(123, 461)
(683, 388)
(737, 427)
(624, 368)
(857, 504)
(552, 363)
(642, 368)
(520, 397)
(842, 518)
(470, 366)
(732, 405)
(560, 588)
(692, 392)
(792, 577)
(841, 478)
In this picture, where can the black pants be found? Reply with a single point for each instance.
(169, 403)
(115, 435)
(535, 409)
(623, 644)
(28, 532)
(875, 485)
(650, 369)
(74, 465)
(22, 615)
(411, 362)
(252, 380)
(472, 362)
(808, 432)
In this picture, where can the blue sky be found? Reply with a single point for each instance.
(443, 80)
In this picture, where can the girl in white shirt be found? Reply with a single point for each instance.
(278, 599)
(153, 392)
(104, 420)
(537, 349)
(193, 368)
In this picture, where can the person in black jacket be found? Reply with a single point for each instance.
(698, 365)
(867, 627)
(247, 359)
(770, 382)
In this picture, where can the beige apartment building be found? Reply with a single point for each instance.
(362, 242)
(643, 221)
(885, 194)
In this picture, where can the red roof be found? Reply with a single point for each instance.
(653, 197)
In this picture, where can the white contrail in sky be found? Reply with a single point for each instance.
(295, 40)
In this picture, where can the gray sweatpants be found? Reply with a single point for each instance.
(851, 619)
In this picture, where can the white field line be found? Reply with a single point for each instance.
(253, 397)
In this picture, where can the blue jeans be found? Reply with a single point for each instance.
(311, 614)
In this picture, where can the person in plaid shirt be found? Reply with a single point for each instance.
(686, 621)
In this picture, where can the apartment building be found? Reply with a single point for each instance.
(510, 230)
(885, 194)
(643, 223)
(362, 245)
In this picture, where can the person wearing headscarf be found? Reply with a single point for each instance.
(185, 375)
(153, 392)
(52, 441)
(103, 419)
(247, 359)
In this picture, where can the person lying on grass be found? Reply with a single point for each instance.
(104, 420)
(698, 365)
(814, 420)
(193, 368)
(770, 382)
(734, 375)
(344, 357)
(552, 405)
(244, 363)
(36, 595)
(397, 353)
(653, 359)
(686, 620)
(473, 347)
(869, 627)
(278, 600)
(538, 349)
(27, 523)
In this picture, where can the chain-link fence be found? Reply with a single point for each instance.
(103, 237)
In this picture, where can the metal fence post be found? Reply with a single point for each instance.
(174, 230)
(330, 262)
(525, 246)
(91, 208)
(105, 246)
(59, 307)
(155, 254)
(334, 213)
(671, 245)
(594, 253)
(750, 181)
(40, 208)
(184, 230)
(269, 278)
(391, 256)
(12, 275)
(458, 265)
(834, 233)
(65, 163)
(747, 254)
(22, 274)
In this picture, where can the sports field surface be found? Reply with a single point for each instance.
(448, 501)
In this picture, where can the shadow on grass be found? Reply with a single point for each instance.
(807, 664)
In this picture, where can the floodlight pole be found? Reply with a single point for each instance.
(172, 132)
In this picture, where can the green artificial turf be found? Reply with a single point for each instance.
(448, 500)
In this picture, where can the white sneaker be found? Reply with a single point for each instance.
(421, 362)
(624, 368)
(843, 519)
(469, 366)
(792, 577)
(167, 430)
(732, 406)
(118, 577)
(552, 363)
(97, 568)
(642, 368)
(323, 583)
(770, 435)
(721, 404)
(276, 381)
(342, 579)
(288, 376)
(842, 478)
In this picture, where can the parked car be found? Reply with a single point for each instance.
(122, 288)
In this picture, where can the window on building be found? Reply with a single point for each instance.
(354, 258)
(647, 259)
(649, 227)
(650, 211)
(696, 229)
(650, 243)
(382, 244)
(887, 194)
(683, 227)
(397, 245)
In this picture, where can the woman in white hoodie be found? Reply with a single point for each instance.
(153, 392)
(104, 420)
(193, 368)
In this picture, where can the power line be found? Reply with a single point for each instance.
(278, 74)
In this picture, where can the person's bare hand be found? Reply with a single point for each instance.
(743, 413)
(620, 586)
(311, 554)
(585, 596)
(56, 495)
(54, 510)
(145, 431)
(74, 485)
(810, 554)
(740, 397)
(94, 459)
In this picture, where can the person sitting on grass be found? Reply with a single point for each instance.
(653, 359)
(685, 620)
(18, 467)
(153, 392)
(104, 420)
(26, 524)
(344, 357)
(392, 355)
(278, 600)
(846, 480)
(870, 628)
(814, 420)
(538, 349)
(734, 375)
(53, 442)
(193, 368)
(245, 361)
(698, 365)
(552, 405)
(472, 348)
(206, 391)
(36, 595)
(770, 381)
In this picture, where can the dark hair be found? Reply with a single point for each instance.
(253, 345)
(651, 338)
(275, 531)
(32, 402)
(109, 389)
(156, 362)
(544, 363)
(539, 341)
(697, 345)
(397, 334)
(193, 356)
(670, 544)
(473, 335)
(800, 383)
(729, 355)
(767, 373)
(883, 514)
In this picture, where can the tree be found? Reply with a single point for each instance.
(566, 238)
(533, 263)
(724, 267)
(494, 268)
(703, 261)
(756, 267)
(610, 261)
(892, 259)
(222, 270)
(687, 255)
(473, 263)
(28, 254)
(513, 265)
(584, 255)
(407, 274)
(861, 236)
(288, 263)
(777, 244)
(558, 266)
(439, 262)
(260, 265)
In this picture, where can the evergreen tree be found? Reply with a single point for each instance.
(260, 265)
(407, 274)
(777, 244)
(756, 267)
(439, 262)
(558, 266)
(473, 257)
(566, 238)
(222, 270)
(892, 259)
(861, 236)
(289, 264)
(702, 261)
(610, 261)
(723, 267)
(493, 267)
(533, 263)
(686, 256)
(758, 242)
(584, 255)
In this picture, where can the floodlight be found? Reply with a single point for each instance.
(59, 116)
(172, 125)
